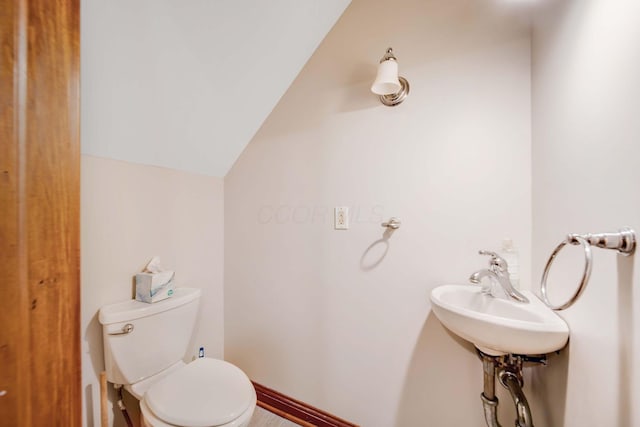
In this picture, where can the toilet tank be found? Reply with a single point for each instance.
(159, 338)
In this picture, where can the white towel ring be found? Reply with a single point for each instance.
(574, 240)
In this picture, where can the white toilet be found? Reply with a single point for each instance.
(144, 345)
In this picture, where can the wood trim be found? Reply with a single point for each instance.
(39, 213)
(14, 339)
(295, 410)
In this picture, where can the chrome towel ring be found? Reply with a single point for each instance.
(624, 241)
(585, 276)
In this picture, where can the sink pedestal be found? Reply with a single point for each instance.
(509, 371)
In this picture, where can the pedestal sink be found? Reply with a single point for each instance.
(499, 326)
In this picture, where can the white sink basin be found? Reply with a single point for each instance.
(499, 326)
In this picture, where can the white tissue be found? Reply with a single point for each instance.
(153, 266)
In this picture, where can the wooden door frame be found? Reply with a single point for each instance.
(40, 379)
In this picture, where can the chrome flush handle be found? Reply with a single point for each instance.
(125, 330)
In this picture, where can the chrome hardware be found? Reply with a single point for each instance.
(394, 99)
(3, 393)
(512, 381)
(574, 240)
(508, 369)
(624, 241)
(388, 55)
(496, 260)
(125, 330)
(498, 271)
(393, 223)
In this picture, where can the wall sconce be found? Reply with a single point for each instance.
(392, 88)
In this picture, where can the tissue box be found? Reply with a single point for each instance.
(153, 287)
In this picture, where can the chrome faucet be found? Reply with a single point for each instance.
(498, 272)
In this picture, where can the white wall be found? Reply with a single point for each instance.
(186, 84)
(129, 214)
(586, 129)
(308, 310)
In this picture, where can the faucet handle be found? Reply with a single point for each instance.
(496, 260)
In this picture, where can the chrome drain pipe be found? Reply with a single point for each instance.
(490, 411)
(488, 396)
(513, 382)
(510, 376)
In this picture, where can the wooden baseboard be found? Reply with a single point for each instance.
(296, 411)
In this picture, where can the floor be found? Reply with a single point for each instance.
(264, 418)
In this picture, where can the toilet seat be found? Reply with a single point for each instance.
(150, 420)
(204, 393)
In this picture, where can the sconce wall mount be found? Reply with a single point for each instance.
(391, 88)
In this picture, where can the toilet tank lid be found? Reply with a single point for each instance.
(132, 309)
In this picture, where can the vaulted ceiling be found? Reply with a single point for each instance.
(186, 84)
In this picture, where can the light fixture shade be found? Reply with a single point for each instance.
(386, 82)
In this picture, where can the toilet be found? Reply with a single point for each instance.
(144, 346)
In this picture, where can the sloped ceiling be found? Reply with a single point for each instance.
(186, 84)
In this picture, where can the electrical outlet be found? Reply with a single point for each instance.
(341, 218)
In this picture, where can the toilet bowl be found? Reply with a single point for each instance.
(144, 347)
(203, 393)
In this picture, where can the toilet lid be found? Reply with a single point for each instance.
(206, 392)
